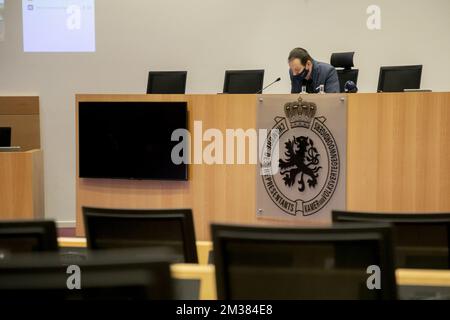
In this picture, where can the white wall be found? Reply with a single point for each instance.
(206, 37)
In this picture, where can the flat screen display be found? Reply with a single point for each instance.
(130, 140)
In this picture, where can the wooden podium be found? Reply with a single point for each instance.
(21, 173)
(21, 185)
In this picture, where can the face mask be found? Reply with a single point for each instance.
(303, 73)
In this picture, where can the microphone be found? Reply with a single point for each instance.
(261, 91)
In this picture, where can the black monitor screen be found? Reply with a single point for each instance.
(5, 137)
(130, 140)
(397, 79)
(167, 82)
(244, 82)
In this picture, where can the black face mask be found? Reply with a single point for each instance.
(303, 73)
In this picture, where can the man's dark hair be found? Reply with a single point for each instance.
(301, 54)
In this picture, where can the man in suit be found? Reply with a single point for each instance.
(305, 71)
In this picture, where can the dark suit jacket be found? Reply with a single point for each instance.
(323, 73)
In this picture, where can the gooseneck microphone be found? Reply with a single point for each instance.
(261, 91)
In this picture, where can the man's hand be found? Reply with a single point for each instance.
(310, 68)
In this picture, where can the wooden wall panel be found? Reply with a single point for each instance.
(398, 160)
(22, 115)
(399, 152)
(25, 130)
(21, 185)
(20, 105)
(214, 192)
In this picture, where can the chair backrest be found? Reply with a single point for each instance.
(243, 81)
(422, 240)
(125, 275)
(5, 137)
(399, 78)
(343, 62)
(166, 82)
(28, 236)
(130, 228)
(302, 263)
(347, 75)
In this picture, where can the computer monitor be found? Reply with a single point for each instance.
(166, 82)
(422, 240)
(399, 78)
(108, 275)
(254, 262)
(28, 236)
(5, 137)
(137, 228)
(243, 81)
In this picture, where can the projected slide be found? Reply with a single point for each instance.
(58, 25)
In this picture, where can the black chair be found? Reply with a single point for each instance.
(243, 81)
(166, 82)
(5, 137)
(302, 263)
(128, 228)
(421, 240)
(343, 62)
(111, 275)
(28, 236)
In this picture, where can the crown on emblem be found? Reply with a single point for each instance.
(300, 113)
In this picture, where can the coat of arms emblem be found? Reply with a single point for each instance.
(308, 162)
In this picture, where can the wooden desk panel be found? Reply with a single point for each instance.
(398, 160)
(25, 130)
(422, 277)
(399, 152)
(21, 185)
(214, 192)
(19, 105)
